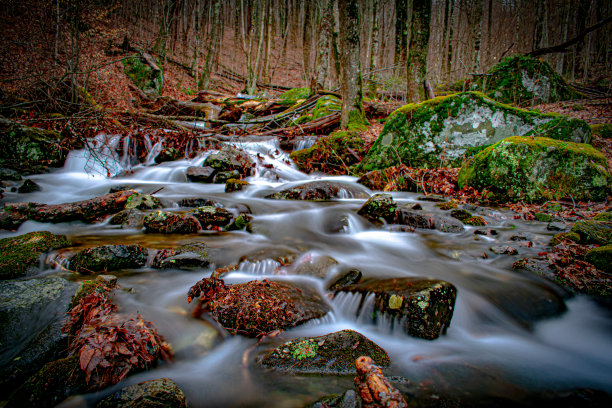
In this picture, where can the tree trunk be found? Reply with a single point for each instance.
(374, 49)
(352, 115)
(323, 47)
(417, 55)
(401, 30)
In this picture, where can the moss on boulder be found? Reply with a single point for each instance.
(171, 223)
(334, 353)
(319, 191)
(602, 130)
(538, 169)
(601, 258)
(523, 80)
(21, 254)
(159, 393)
(230, 159)
(333, 154)
(194, 255)
(293, 96)
(233, 184)
(593, 232)
(379, 208)
(109, 258)
(447, 129)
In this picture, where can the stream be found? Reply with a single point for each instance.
(497, 346)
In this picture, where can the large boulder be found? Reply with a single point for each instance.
(446, 129)
(171, 223)
(162, 392)
(257, 308)
(601, 258)
(524, 80)
(29, 149)
(319, 191)
(593, 232)
(229, 159)
(109, 258)
(423, 307)
(26, 308)
(536, 169)
(21, 255)
(334, 353)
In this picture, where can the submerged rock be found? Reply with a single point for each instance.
(229, 159)
(423, 307)
(421, 220)
(162, 392)
(379, 208)
(317, 266)
(188, 256)
(28, 186)
(131, 218)
(212, 218)
(21, 255)
(171, 223)
(232, 185)
(109, 258)
(256, 308)
(334, 353)
(26, 308)
(537, 169)
(446, 129)
(319, 191)
(524, 80)
(200, 174)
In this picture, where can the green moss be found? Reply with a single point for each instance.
(449, 205)
(602, 130)
(141, 74)
(357, 121)
(594, 232)
(564, 236)
(604, 216)
(543, 217)
(326, 105)
(447, 129)
(601, 258)
(304, 349)
(475, 221)
(537, 169)
(332, 154)
(29, 149)
(523, 80)
(379, 208)
(293, 96)
(232, 185)
(18, 254)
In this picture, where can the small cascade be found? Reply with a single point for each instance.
(262, 267)
(304, 142)
(153, 152)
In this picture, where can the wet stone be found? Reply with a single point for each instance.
(28, 186)
(319, 191)
(162, 392)
(188, 256)
(422, 307)
(171, 223)
(109, 258)
(379, 208)
(346, 279)
(200, 174)
(128, 218)
(556, 226)
(198, 202)
(211, 218)
(334, 353)
(503, 250)
(232, 185)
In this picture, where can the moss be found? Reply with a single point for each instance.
(538, 169)
(29, 149)
(357, 121)
(449, 205)
(543, 217)
(326, 105)
(604, 216)
(564, 236)
(293, 96)
(447, 129)
(232, 185)
(601, 258)
(524, 80)
(602, 130)
(379, 208)
(475, 221)
(461, 214)
(141, 74)
(594, 232)
(143, 202)
(301, 119)
(18, 254)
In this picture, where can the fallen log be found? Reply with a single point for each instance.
(188, 108)
(321, 125)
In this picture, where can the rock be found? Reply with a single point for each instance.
(317, 266)
(503, 250)
(447, 205)
(349, 399)
(241, 222)
(212, 218)
(461, 214)
(379, 208)
(415, 219)
(128, 218)
(563, 236)
(603, 216)
(319, 191)
(601, 258)
(475, 221)
(26, 308)
(332, 154)
(543, 217)
(51, 385)
(148, 78)
(143, 202)
(198, 202)
(29, 150)
(28, 186)
(162, 392)
(446, 129)
(168, 154)
(556, 226)
(536, 169)
(200, 174)
(334, 353)
(349, 278)
(523, 80)
(223, 176)
(232, 185)
(230, 158)
(256, 308)
(593, 232)
(102, 285)
(293, 96)
(188, 256)
(20, 255)
(423, 307)
(171, 223)
(89, 211)
(108, 258)
(432, 198)
(9, 174)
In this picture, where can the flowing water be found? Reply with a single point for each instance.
(496, 344)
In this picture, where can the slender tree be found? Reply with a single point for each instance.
(323, 47)
(417, 55)
(352, 116)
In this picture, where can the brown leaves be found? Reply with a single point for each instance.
(373, 388)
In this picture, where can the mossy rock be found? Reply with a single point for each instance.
(211, 218)
(537, 169)
(447, 129)
(171, 223)
(232, 185)
(423, 307)
(593, 232)
(334, 353)
(602, 130)
(326, 105)
(318, 191)
(333, 154)
(564, 236)
(379, 208)
(30, 150)
(143, 202)
(102, 285)
(194, 255)
(229, 159)
(150, 81)
(293, 96)
(51, 385)
(603, 216)
(523, 80)
(475, 221)
(20, 255)
(159, 393)
(601, 258)
(109, 258)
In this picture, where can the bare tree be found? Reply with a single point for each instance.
(417, 54)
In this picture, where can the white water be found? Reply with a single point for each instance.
(485, 337)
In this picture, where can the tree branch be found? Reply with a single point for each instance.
(563, 47)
